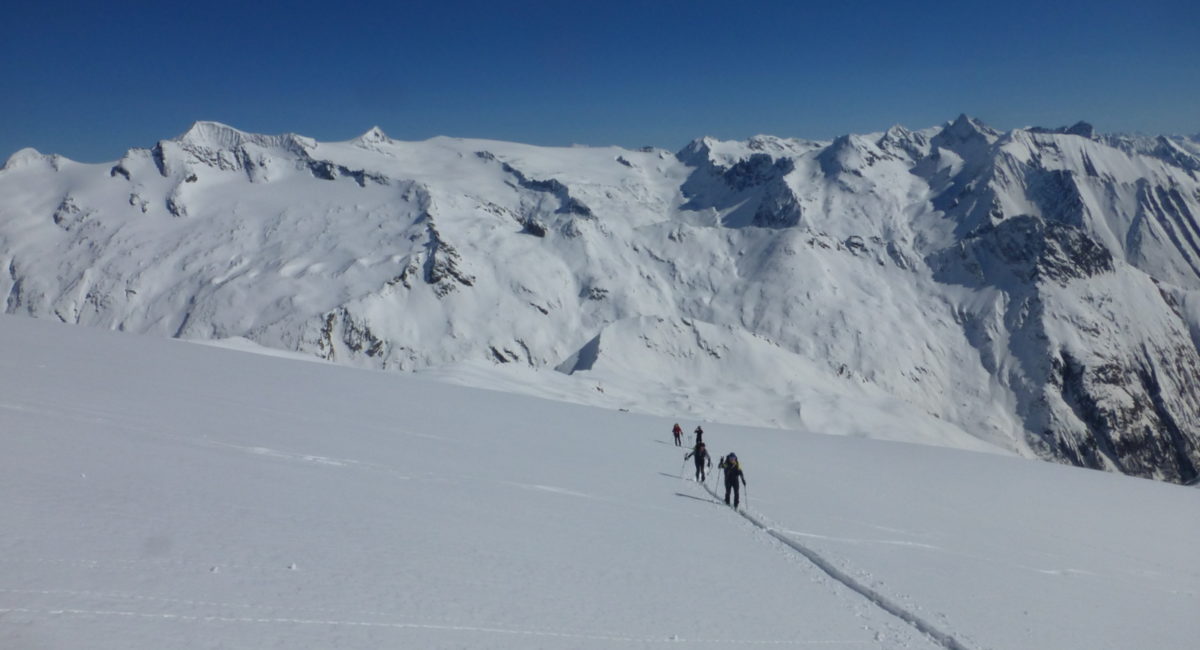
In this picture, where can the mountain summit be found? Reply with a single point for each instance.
(1036, 290)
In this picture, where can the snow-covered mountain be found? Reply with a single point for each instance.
(1036, 290)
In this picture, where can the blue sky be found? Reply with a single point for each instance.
(89, 80)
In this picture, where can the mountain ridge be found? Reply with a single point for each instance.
(1036, 288)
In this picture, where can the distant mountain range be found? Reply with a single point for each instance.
(1037, 289)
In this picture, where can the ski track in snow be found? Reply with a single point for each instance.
(944, 639)
(553, 489)
(939, 549)
(111, 564)
(400, 625)
(308, 458)
(853, 540)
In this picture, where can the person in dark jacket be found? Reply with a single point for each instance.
(678, 433)
(699, 434)
(733, 471)
(700, 454)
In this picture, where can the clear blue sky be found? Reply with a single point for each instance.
(91, 79)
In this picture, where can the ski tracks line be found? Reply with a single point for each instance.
(945, 639)
(414, 626)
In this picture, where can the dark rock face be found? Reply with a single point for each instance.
(533, 227)
(1023, 250)
(1105, 399)
(327, 171)
(567, 203)
(758, 169)
(1081, 129)
(1144, 435)
(778, 207)
(756, 183)
(354, 335)
(1169, 211)
(443, 264)
(1050, 250)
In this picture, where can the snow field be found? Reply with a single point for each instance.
(160, 494)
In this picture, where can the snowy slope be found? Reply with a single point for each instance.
(159, 494)
(1032, 291)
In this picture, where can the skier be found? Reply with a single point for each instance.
(733, 472)
(699, 434)
(700, 454)
(678, 433)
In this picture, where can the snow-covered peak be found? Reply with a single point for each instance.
(898, 139)
(1177, 151)
(374, 135)
(781, 146)
(849, 153)
(212, 135)
(25, 157)
(698, 152)
(963, 131)
(724, 154)
(1080, 128)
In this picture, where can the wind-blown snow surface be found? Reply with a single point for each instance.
(1035, 291)
(158, 494)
